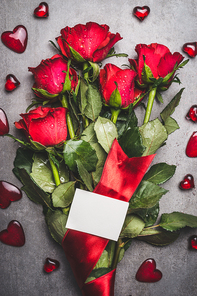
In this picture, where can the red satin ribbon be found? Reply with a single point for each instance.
(120, 178)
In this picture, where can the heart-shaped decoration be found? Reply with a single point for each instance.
(148, 273)
(51, 264)
(4, 125)
(190, 49)
(42, 10)
(193, 242)
(192, 113)
(141, 12)
(13, 235)
(16, 40)
(11, 82)
(187, 182)
(191, 149)
(8, 193)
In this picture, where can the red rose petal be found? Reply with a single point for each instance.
(15, 40)
(148, 273)
(13, 235)
(8, 193)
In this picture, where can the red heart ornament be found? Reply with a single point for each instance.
(11, 82)
(193, 242)
(42, 10)
(51, 264)
(191, 149)
(16, 40)
(190, 49)
(148, 273)
(141, 12)
(8, 193)
(192, 113)
(4, 125)
(13, 235)
(187, 182)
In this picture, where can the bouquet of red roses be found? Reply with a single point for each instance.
(82, 133)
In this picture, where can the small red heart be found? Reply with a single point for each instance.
(190, 49)
(191, 149)
(13, 235)
(4, 125)
(141, 12)
(16, 40)
(187, 183)
(42, 10)
(11, 82)
(192, 113)
(8, 193)
(193, 242)
(148, 273)
(51, 264)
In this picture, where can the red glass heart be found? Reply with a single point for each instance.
(190, 49)
(148, 273)
(8, 193)
(193, 242)
(4, 125)
(187, 182)
(51, 264)
(11, 82)
(16, 40)
(42, 10)
(191, 149)
(141, 12)
(192, 113)
(13, 235)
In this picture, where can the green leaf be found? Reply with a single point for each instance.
(170, 108)
(95, 69)
(23, 160)
(83, 95)
(33, 191)
(63, 172)
(115, 98)
(102, 155)
(56, 221)
(103, 260)
(85, 176)
(63, 195)
(67, 82)
(41, 172)
(147, 74)
(75, 55)
(96, 273)
(45, 93)
(153, 135)
(94, 103)
(159, 97)
(171, 125)
(79, 150)
(132, 227)
(37, 145)
(149, 215)
(126, 121)
(131, 143)
(158, 236)
(175, 221)
(89, 134)
(146, 195)
(160, 173)
(106, 132)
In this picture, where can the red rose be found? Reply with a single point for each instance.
(113, 79)
(92, 42)
(46, 126)
(155, 61)
(50, 77)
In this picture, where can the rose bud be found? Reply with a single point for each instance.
(155, 61)
(46, 126)
(90, 42)
(50, 77)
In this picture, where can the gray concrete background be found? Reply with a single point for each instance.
(173, 23)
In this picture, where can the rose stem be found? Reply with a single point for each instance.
(151, 98)
(55, 171)
(64, 102)
(117, 252)
(114, 115)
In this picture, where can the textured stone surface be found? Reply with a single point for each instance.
(172, 23)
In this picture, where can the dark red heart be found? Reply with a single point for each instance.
(191, 149)
(51, 264)
(190, 49)
(192, 113)
(16, 40)
(42, 10)
(193, 242)
(187, 182)
(13, 235)
(141, 12)
(11, 82)
(148, 273)
(4, 125)
(8, 193)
